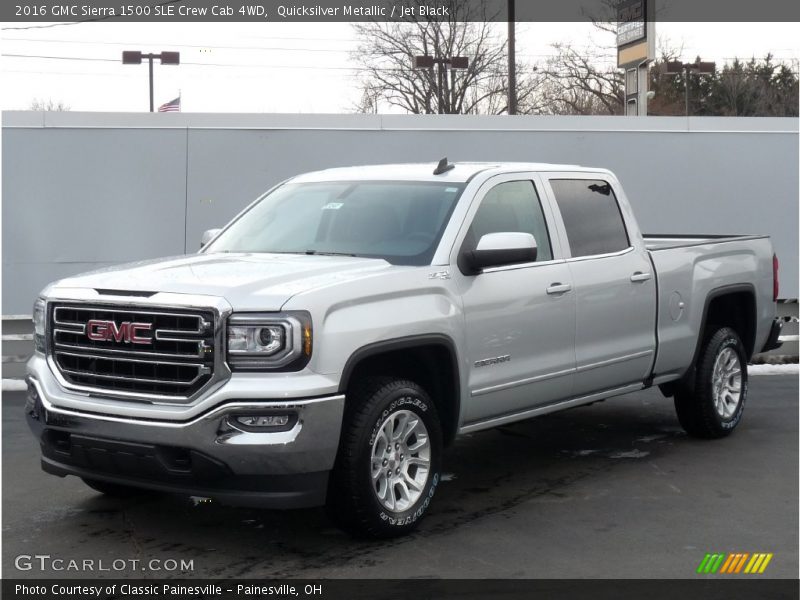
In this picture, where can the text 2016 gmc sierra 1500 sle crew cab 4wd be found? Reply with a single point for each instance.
(328, 343)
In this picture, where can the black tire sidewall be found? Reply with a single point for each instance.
(415, 400)
(724, 338)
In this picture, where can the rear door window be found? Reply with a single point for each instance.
(591, 216)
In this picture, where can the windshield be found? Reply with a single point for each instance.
(398, 221)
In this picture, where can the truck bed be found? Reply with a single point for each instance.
(691, 269)
(660, 241)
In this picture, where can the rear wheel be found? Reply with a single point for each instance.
(712, 406)
(387, 468)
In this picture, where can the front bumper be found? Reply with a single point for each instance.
(206, 455)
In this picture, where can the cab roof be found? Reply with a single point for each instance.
(460, 173)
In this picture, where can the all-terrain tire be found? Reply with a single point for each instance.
(702, 408)
(382, 482)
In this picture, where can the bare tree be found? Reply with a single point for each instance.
(572, 81)
(49, 105)
(576, 85)
(387, 50)
(370, 99)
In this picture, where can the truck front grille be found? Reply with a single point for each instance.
(163, 352)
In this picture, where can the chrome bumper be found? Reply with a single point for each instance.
(208, 454)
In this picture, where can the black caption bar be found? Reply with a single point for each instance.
(386, 10)
(347, 589)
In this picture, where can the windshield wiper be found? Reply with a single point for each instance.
(322, 253)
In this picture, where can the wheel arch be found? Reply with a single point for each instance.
(430, 360)
(733, 306)
(720, 308)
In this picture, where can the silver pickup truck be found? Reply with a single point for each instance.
(328, 343)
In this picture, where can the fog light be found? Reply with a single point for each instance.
(263, 420)
(270, 421)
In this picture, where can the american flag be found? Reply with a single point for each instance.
(171, 106)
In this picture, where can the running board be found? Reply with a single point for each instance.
(549, 408)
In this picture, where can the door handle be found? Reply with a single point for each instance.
(559, 288)
(639, 276)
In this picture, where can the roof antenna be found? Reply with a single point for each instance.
(443, 167)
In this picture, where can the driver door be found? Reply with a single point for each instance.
(520, 318)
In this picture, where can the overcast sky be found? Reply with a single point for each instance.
(280, 67)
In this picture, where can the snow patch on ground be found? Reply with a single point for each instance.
(629, 454)
(790, 369)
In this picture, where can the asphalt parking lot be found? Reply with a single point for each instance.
(614, 490)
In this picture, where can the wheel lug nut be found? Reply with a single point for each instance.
(402, 456)
(385, 462)
(398, 471)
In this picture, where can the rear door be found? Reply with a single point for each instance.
(615, 290)
(520, 319)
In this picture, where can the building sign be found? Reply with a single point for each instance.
(635, 35)
(631, 21)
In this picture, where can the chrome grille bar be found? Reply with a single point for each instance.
(133, 379)
(173, 355)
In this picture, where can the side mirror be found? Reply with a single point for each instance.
(208, 235)
(502, 248)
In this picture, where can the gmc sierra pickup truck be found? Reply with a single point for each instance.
(327, 344)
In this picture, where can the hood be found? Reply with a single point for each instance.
(247, 281)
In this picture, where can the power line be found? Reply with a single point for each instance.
(609, 57)
(202, 46)
(213, 64)
(46, 26)
(201, 64)
(60, 57)
(130, 76)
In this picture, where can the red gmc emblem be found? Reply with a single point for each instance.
(130, 333)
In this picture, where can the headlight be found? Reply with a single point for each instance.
(269, 341)
(255, 339)
(39, 321)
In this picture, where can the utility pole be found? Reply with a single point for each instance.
(701, 68)
(686, 89)
(150, 68)
(512, 59)
(439, 85)
(134, 57)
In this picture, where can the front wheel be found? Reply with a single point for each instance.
(712, 407)
(388, 464)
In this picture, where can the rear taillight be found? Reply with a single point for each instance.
(775, 285)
